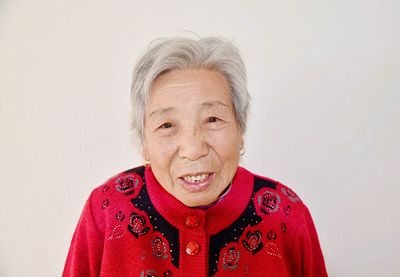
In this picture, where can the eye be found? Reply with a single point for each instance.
(166, 125)
(212, 119)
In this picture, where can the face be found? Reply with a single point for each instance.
(191, 136)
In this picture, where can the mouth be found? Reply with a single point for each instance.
(195, 182)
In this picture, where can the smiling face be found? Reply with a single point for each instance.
(191, 136)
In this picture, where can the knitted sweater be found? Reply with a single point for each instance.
(130, 226)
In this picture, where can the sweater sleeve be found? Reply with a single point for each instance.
(85, 253)
(308, 258)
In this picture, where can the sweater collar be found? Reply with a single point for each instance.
(212, 220)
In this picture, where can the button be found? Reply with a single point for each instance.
(192, 248)
(192, 221)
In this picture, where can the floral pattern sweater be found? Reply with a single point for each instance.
(130, 226)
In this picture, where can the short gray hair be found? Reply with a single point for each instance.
(178, 53)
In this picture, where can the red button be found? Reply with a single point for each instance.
(192, 248)
(192, 221)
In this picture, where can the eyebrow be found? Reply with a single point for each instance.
(215, 103)
(162, 111)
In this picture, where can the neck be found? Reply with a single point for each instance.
(219, 198)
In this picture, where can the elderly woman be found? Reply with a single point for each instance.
(192, 210)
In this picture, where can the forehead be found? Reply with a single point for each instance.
(180, 88)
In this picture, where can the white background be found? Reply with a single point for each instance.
(324, 77)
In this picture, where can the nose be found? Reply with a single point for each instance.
(192, 144)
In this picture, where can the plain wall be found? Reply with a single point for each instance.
(323, 75)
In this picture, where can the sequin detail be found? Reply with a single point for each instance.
(153, 273)
(283, 227)
(138, 225)
(272, 249)
(128, 183)
(168, 273)
(118, 232)
(290, 194)
(120, 216)
(105, 188)
(268, 202)
(287, 210)
(230, 259)
(105, 203)
(271, 235)
(159, 248)
(149, 273)
(253, 242)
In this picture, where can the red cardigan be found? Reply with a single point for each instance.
(130, 226)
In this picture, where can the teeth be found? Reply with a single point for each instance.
(196, 178)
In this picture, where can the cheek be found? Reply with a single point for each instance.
(226, 142)
(159, 151)
(227, 151)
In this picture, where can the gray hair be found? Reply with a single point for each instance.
(168, 54)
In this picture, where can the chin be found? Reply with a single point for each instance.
(197, 200)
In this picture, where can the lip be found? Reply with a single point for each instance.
(196, 187)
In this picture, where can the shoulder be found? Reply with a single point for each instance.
(112, 198)
(127, 182)
(281, 191)
(284, 228)
(277, 203)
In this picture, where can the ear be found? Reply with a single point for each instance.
(241, 141)
(145, 151)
